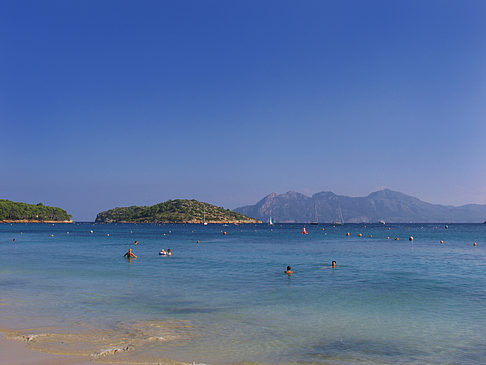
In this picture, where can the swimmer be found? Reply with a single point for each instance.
(135, 243)
(129, 254)
(162, 252)
(289, 271)
(169, 253)
(333, 264)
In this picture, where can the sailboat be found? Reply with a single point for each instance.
(314, 222)
(270, 222)
(339, 222)
(204, 218)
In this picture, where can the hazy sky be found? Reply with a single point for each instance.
(113, 103)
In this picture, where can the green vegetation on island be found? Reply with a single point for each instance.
(22, 212)
(173, 211)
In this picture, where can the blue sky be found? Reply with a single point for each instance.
(113, 103)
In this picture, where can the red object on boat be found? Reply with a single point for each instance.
(304, 231)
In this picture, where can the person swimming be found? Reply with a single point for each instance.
(169, 252)
(162, 252)
(135, 243)
(130, 254)
(333, 264)
(289, 271)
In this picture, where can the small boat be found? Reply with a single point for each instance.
(204, 217)
(381, 221)
(304, 231)
(270, 222)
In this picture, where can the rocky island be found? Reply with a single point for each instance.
(173, 211)
(13, 212)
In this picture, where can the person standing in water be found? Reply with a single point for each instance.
(289, 271)
(169, 252)
(130, 254)
(333, 264)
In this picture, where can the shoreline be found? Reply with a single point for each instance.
(32, 221)
(17, 352)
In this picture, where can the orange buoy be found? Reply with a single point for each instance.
(396, 238)
(304, 231)
(475, 244)
(371, 236)
(107, 235)
(388, 238)
(347, 234)
(224, 233)
(360, 235)
(441, 241)
(197, 241)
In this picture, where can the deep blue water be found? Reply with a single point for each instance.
(386, 302)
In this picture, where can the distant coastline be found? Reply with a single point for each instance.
(33, 221)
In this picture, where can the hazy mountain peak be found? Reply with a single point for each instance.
(389, 205)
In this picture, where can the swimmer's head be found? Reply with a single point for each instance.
(333, 264)
(288, 268)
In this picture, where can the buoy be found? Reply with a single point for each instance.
(371, 236)
(304, 231)
(475, 244)
(197, 241)
(347, 234)
(360, 235)
(52, 235)
(441, 241)
(410, 238)
(388, 238)
(397, 239)
(107, 235)
(91, 231)
(21, 232)
(323, 229)
(446, 226)
(224, 233)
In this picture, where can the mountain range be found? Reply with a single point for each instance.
(390, 206)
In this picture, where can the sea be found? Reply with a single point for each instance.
(223, 297)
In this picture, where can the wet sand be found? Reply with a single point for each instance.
(127, 344)
(14, 352)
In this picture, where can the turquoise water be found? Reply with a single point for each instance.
(227, 299)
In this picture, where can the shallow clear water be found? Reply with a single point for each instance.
(227, 298)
